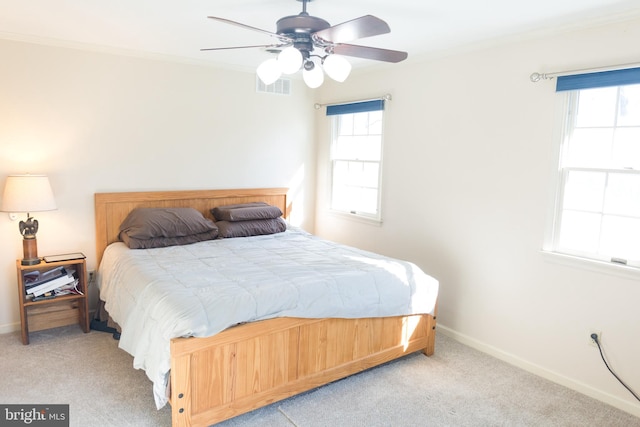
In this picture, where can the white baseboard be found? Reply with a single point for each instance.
(542, 372)
(8, 328)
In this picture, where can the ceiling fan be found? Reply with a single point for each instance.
(310, 42)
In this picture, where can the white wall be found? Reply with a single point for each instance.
(96, 122)
(468, 160)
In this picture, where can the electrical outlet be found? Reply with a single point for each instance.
(92, 276)
(591, 340)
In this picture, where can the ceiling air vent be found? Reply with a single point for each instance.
(280, 87)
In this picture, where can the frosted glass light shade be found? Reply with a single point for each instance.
(28, 193)
(337, 67)
(314, 77)
(290, 60)
(269, 71)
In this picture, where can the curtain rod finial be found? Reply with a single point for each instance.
(536, 77)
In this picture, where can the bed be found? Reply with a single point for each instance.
(253, 364)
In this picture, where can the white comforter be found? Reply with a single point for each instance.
(204, 288)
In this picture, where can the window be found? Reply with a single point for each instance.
(356, 158)
(597, 213)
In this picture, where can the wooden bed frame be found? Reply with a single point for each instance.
(255, 364)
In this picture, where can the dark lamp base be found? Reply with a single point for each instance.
(30, 251)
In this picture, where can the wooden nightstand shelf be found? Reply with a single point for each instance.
(51, 313)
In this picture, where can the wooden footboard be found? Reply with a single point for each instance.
(255, 364)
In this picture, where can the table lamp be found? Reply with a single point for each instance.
(28, 193)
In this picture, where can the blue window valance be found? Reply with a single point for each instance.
(355, 107)
(627, 76)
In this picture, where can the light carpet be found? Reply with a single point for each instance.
(458, 386)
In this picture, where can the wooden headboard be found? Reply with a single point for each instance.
(112, 208)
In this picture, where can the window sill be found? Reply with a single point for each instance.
(603, 267)
(356, 218)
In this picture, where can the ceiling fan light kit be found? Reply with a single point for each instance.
(289, 60)
(310, 43)
(312, 75)
(337, 67)
(269, 71)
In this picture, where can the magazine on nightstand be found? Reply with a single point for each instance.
(64, 257)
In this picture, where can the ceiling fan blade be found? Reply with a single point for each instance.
(248, 27)
(365, 26)
(266, 46)
(366, 52)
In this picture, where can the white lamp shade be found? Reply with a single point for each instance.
(290, 60)
(337, 67)
(269, 71)
(314, 77)
(28, 193)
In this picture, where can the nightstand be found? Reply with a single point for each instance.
(59, 311)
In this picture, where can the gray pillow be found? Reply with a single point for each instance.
(246, 211)
(160, 227)
(163, 242)
(248, 228)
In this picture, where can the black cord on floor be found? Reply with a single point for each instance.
(597, 341)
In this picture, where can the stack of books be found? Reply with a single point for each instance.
(48, 284)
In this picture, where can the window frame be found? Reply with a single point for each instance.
(334, 125)
(567, 107)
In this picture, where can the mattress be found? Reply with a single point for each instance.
(203, 288)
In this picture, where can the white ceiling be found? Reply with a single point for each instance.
(179, 28)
